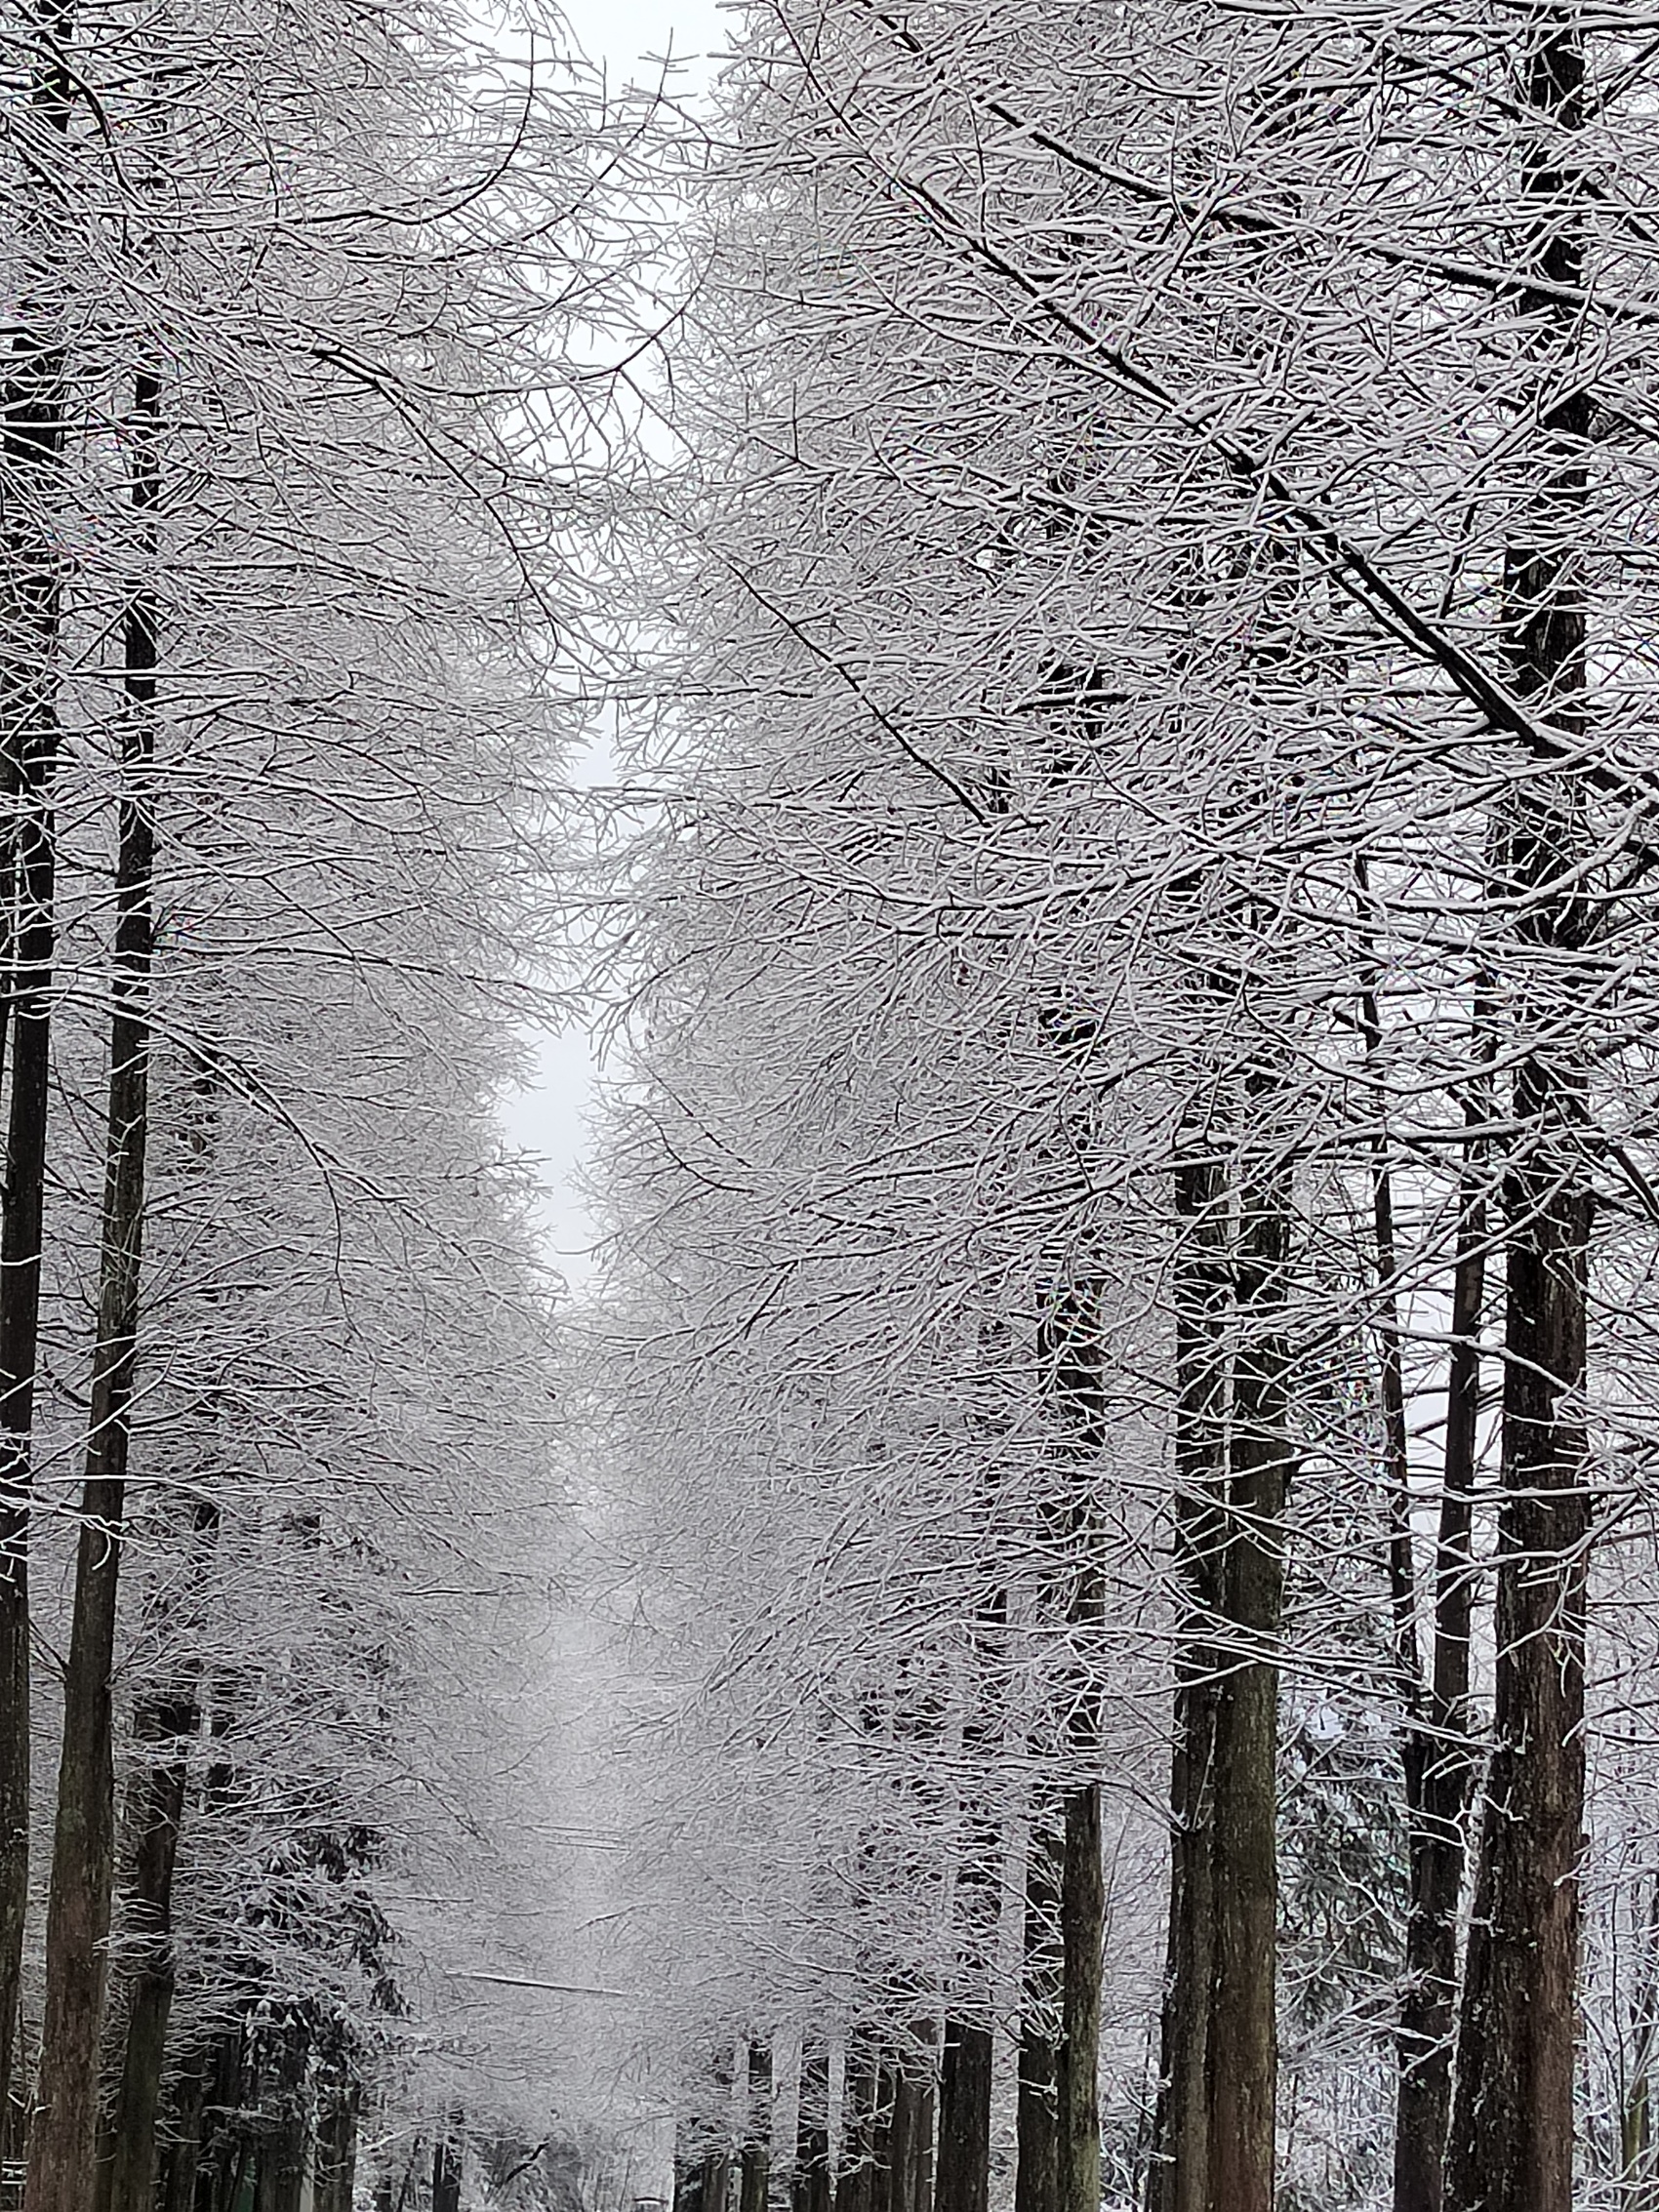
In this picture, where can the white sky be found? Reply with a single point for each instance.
(547, 1120)
(622, 33)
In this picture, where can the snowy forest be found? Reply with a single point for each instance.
(1035, 625)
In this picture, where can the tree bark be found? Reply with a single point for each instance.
(33, 418)
(854, 2168)
(811, 2182)
(156, 1805)
(887, 2189)
(1511, 2135)
(1178, 2180)
(1440, 1768)
(336, 2162)
(717, 2185)
(962, 2168)
(1036, 2172)
(63, 2134)
(911, 2123)
(757, 2154)
(1242, 2034)
(280, 2161)
(446, 2168)
(182, 2150)
(1083, 1925)
(962, 2173)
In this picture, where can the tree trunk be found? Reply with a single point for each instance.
(182, 2150)
(811, 2186)
(1511, 2137)
(1242, 2034)
(1179, 2177)
(1440, 1768)
(717, 2163)
(912, 2121)
(963, 2171)
(1082, 1914)
(446, 2168)
(280, 2171)
(63, 2134)
(717, 2187)
(156, 1803)
(885, 2188)
(221, 2144)
(1074, 1351)
(757, 2154)
(853, 2168)
(1036, 2172)
(336, 2176)
(688, 2169)
(962, 2174)
(33, 416)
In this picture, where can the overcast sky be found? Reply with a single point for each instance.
(547, 1120)
(621, 32)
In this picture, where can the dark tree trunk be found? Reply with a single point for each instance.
(1179, 2175)
(181, 2147)
(1511, 2146)
(32, 415)
(221, 2143)
(62, 2138)
(962, 2169)
(336, 2160)
(1036, 2171)
(855, 2168)
(280, 2168)
(886, 2189)
(716, 2183)
(156, 1805)
(1082, 1910)
(962, 2174)
(757, 2156)
(717, 2163)
(1439, 1770)
(911, 2125)
(688, 2169)
(811, 2189)
(1078, 1380)
(1243, 2036)
(446, 2168)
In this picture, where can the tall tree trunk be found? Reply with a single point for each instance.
(811, 2181)
(63, 2133)
(1242, 2034)
(717, 2161)
(446, 2167)
(912, 2122)
(962, 2169)
(1082, 1920)
(1179, 2178)
(182, 2148)
(1036, 2171)
(280, 2171)
(962, 2173)
(1440, 1769)
(336, 2176)
(33, 418)
(757, 2157)
(688, 2169)
(221, 2144)
(1074, 1358)
(1511, 2135)
(854, 2168)
(164, 1725)
(885, 2186)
